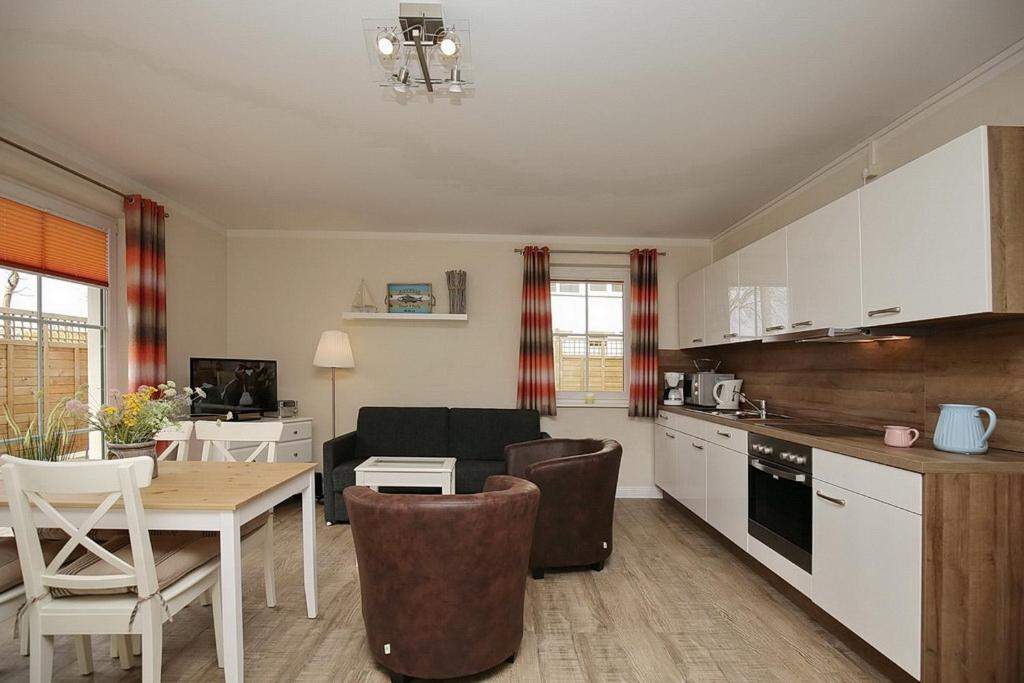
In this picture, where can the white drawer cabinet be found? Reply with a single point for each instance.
(867, 570)
(727, 492)
(729, 437)
(691, 310)
(296, 444)
(823, 256)
(887, 484)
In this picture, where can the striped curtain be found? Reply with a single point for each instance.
(144, 266)
(643, 326)
(536, 347)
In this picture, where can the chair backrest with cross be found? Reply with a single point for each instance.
(31, 489)
(178, 439)
(216, 437)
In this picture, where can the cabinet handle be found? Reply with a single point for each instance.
(671, 436)
(774, 328)
(661, 416)
(698, 340)
(730, 335)
(697, 446)
(838, 501)
(802, 323)
(725, 434)
(884, 311)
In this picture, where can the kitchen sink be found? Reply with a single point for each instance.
(749, 415)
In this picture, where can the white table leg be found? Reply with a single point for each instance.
(231, 596)
(309, 547)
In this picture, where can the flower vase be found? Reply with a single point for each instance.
(116, 451)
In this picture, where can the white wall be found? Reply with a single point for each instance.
(195, 252)
(996, 98)
(284, 289)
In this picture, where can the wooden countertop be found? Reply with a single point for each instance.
(919, 458)
(195, 485)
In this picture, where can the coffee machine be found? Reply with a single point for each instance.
(673, 394)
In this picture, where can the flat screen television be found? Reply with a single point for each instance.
(235, 385)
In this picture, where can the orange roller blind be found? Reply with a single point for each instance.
(40, 242)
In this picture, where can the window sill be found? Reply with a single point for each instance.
(596, 403)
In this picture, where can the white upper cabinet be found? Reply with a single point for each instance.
(926, 236)
(762, 296)
(824, 266)
(721, 305)
(691, 310)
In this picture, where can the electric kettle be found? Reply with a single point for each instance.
(727, 394)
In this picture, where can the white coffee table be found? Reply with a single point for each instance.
(407, 472)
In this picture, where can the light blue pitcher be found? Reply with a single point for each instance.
(960, 429)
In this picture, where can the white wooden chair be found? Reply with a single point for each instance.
(217, 438)
(76, 599)
(179, 438)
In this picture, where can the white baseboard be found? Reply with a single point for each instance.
(638, 492)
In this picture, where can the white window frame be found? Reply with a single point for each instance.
(599, 399)
(113, 293)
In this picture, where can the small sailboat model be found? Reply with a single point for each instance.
(363, 303)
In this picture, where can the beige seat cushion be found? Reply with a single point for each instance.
(10, 568)
(175, 554)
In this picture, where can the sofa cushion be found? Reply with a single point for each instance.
(175, 555)
(344, 474)
(402, 431)
(470, 475)
(483, 433)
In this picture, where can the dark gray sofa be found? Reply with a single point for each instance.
(475, 437)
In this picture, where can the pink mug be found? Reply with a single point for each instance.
(900, 437)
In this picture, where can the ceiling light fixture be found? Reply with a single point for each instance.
(387, 43)
(424, 46)
(449, 45)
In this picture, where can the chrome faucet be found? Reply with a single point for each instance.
(761, 409)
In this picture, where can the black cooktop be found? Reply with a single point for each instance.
(827, 430)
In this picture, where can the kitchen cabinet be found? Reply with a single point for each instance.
(823, 256)
(867, 570)
(666, 461)
(762, 300)
(691, 454)
(721, 314)
(727, 492)
(941, 236)
(691, 310)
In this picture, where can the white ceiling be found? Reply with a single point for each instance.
(660, 118)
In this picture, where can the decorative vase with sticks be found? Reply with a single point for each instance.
(456, 291)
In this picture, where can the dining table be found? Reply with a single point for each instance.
(219, 497)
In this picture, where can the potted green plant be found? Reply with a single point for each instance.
(55, 441)
(130, 423)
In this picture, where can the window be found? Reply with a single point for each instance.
(588, 318)
(53, 316)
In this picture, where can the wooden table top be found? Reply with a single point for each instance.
(921, 458)
(196, 485)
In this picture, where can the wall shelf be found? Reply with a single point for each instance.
(352, 315)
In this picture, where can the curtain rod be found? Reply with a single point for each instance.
(67, 169)
(587, 251)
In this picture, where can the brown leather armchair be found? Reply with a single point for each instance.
(443, 578)
(577, 480)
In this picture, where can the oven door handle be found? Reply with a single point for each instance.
(782, 474)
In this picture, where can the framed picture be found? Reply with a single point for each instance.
(417, 297)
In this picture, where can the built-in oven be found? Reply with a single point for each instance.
(780, 497)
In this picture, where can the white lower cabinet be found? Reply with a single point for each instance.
(693, 474)
(867, 570)
(665, 468)
(727, 492)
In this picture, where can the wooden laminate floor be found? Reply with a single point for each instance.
(671, 605)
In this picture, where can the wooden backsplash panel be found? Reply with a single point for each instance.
(878, 383)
